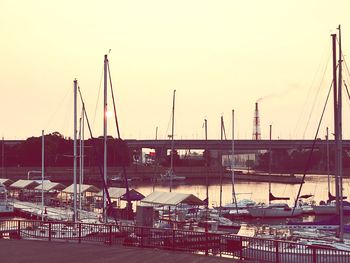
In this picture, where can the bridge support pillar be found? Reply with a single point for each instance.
(215, 158)
(161, 154)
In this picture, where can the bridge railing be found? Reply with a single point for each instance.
(207, 243)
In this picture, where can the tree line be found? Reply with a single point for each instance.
(59, 152)
(297, 160)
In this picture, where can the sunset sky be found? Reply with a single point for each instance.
(218, 55)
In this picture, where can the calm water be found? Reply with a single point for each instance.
(257, 191)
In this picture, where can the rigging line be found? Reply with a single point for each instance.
(310, 88)
(98, 97)
(168, 127)
(117, 126)
(312, 148)
(347, 69)
(229, 162)
(223, 128)
(67, 114)
(315, 100)
(347, 90)
(98, 161)
(114, 107)
(58, 108)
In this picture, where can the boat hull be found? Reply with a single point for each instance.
(6, 210)
(274, 212)
(325, 209)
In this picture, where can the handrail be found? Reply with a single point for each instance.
(208, 243)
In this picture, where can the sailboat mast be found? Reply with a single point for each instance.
(206, 161)
(221, 170)
(2, 158)
(270, 161)
(172, 142)
(82, 145)
(80, 164)
(105, 138)
(327, 150)
(234, 200)
(336, 132)
(75, 154)
(42, 173)
(340, 140)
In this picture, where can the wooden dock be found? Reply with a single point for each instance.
(35, 211)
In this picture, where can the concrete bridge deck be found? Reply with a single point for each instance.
(239, 145)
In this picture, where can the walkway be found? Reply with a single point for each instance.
(24, 251)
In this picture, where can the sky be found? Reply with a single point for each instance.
(217, 55)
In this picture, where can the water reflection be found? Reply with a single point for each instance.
(316, 185)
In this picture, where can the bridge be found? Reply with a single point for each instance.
(239, 145)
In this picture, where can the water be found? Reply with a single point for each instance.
(315, 185)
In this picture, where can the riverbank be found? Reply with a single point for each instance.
(16, 251)
(135, 172)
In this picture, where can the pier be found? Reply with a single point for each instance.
(34, 211)
(211, 244)
(31, 251)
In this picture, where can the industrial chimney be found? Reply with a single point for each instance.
(256, 124)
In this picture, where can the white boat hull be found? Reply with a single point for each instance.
(274, 212)
(6, 210)
(325, 209)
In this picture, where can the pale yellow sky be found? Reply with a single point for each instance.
(218, 55)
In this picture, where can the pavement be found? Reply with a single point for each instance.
(28, 251)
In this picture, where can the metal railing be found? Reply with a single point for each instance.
(213, 244)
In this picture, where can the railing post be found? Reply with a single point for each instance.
(277, 252)
(18, 229)
(241, 248)
(314, 255)
(141, 237)
(50, 228)
(110, 235)
(206, 244)
(173, 242)
(79, 238)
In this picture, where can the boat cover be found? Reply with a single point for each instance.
(84, 188)
(332, 197)
(133, 196)
(172, 199)
(6, 181)
(24, 184)
(49, 186)
(272, 197)
(120, 193)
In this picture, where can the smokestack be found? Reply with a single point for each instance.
(256, 123)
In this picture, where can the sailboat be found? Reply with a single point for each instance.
(329, 207)
(274, 209)
(341, 207)
(169, 175)
(235, 208)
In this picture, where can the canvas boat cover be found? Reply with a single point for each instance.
(114, 192)
(6, 181)
(84, 188)
(172, 199)
(24, 184)
(49, 186)
(133, 196)
(120, 193)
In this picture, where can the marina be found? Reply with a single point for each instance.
(115, 176)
